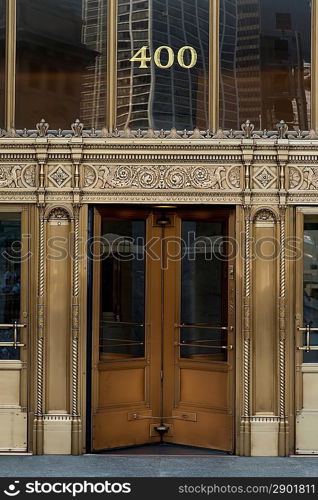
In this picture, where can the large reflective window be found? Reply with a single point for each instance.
(172, 89)
(61, 62)
(2, 58)
(265, 59)
(122, 329)
(204, 303)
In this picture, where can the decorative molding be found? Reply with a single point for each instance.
(282, 314)
(247, 132)
(263, 419)
(247, 314)
(303, 178)
(40, 328)
(264, 178)
(75, 312)
(59, 176)
(50, 417)
(161, 177)
(265, 215)
(58, 213)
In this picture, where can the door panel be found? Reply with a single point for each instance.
(198, 373)
(307, 334)
(121, 361)
(163, 336)
(13, 333)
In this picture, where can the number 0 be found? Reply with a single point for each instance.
(194, 57)
(157, 57)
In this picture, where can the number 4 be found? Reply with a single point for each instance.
(141, 56)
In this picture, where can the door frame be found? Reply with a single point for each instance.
(235, 231)
(299, 296)
(25, 390)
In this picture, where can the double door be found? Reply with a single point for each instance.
(163, 328)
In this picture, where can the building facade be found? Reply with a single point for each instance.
(158, 225)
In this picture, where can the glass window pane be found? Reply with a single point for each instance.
(61, 62)
(2, 58)
(311, 283)
(155, 97)
(203, 304)
(122, 331)
(265, 58)
(10, 271)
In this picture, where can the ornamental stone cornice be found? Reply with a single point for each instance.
(228, 167)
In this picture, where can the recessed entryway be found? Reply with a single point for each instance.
(163, 328)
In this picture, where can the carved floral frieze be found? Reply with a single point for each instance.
(303, 178)
(162, 177)
(17, 176)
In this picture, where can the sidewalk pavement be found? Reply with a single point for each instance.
(156, 466)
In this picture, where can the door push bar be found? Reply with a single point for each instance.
(15, 342)
(308, 329)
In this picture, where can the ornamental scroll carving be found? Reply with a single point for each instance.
(162, 177)
(17, 176)
(303, 178)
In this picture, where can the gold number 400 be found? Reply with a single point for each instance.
(141, 57)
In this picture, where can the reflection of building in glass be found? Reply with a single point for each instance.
(2, 60)
(59, 68)
(161, 98)
(93, 101)
(265, 62)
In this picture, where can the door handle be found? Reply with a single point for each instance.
(225, 347)
(308, 329)
(205, 326)
(15, 327)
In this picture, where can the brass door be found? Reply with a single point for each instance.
(163, 333)
(13, 331)
(307, 332)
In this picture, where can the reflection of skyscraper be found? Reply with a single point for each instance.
(155, 97)
(93, 102)
(134, 85)
(240, 62)
(265, 55)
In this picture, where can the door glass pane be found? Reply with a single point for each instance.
(203, 291)
(154, 96)
(265, 62)
(10, 279)
(2, 58)
(61, 62)
(122, 330)
(311, 283)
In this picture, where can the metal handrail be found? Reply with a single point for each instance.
(204, 326)
(15, 327)
(121, 323)
(227, 347)
(308, 329)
